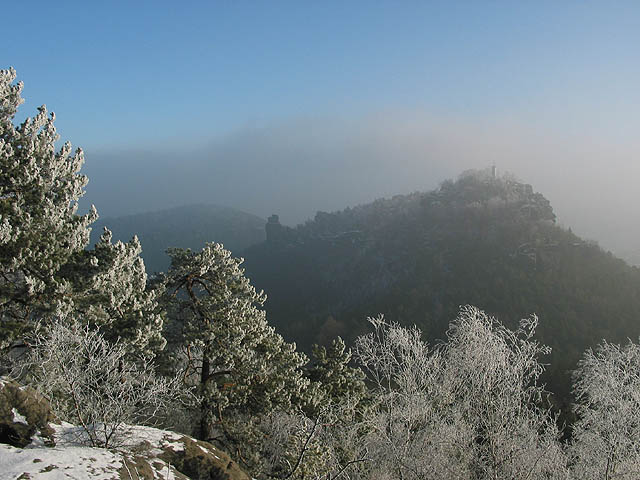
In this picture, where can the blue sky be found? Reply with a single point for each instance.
(135, 73)
(167, 86)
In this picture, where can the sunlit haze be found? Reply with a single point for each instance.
(294, 107)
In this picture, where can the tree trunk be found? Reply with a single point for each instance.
(206, 413)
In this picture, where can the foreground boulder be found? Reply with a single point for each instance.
(162, 451)
(25, 416)
(146, 454)
(33, 444)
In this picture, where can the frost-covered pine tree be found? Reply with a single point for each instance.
(320, 439)
(606, 437)
(44, 270)
(243, 368)
(336, 404)
(39, 227)
(111, 292)
(334, 376)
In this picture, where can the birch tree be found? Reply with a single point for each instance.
(491, 375)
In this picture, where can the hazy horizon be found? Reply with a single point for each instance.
(291, 108)
(304, 166)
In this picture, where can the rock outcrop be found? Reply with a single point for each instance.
(34, 444)
(24, 415)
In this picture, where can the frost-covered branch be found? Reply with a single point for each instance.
(96, 383)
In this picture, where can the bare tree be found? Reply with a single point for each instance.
(491, 376)
(606, 438)
(94, 383)
(411, 433)
(469, 408)
(329, 446)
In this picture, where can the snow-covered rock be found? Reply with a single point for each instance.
(34, 445)
(148, 454)
(23, 414)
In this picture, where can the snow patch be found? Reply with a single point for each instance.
(18, 417)
(209, 451)
(159, 439)
(81, 463)
(71, 459)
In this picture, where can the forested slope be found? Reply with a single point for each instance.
(484, 240)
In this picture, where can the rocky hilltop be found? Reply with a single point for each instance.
(482, 239)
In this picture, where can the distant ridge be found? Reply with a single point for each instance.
(188, 226)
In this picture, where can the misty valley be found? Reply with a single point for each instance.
(454, 333)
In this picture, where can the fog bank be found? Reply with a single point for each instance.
(297, 167)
